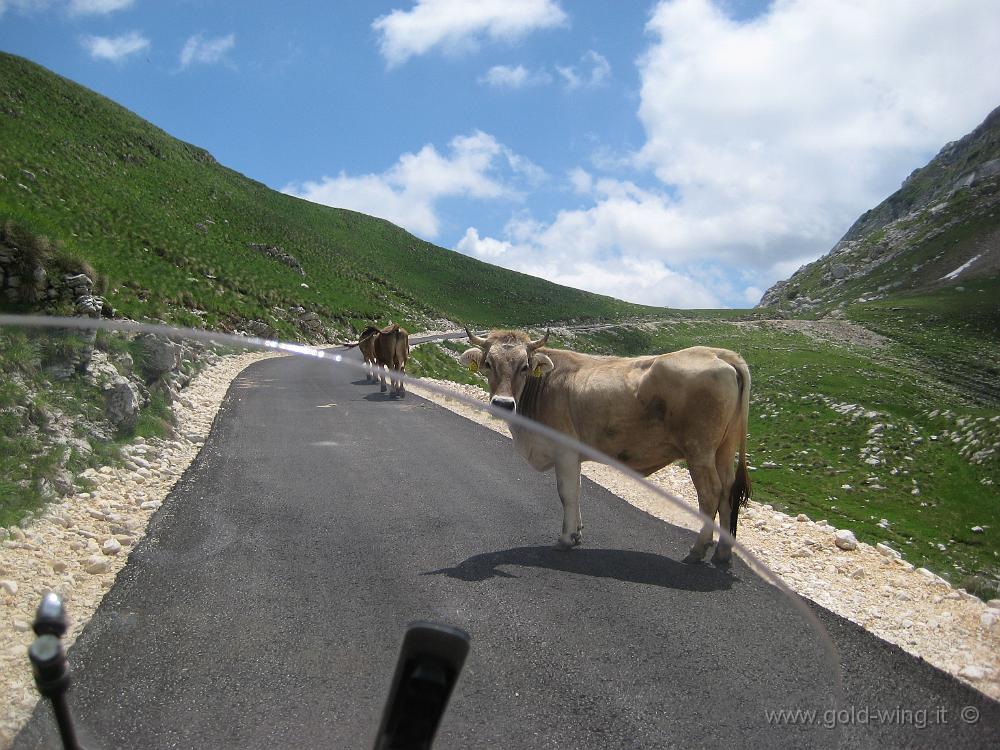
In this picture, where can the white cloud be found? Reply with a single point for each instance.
(646, 282)
(629, 277)
(24, 6)
(481, 247)
(774, 135)
(476, 166)
(626, 244)
(73, 7)
(514, 77)
(198, 49)
(594, 70)
(752, 295)
(115, 48)
(581, 180)
(97, 7)
(460, 25)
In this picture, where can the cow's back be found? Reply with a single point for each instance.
(644, 411)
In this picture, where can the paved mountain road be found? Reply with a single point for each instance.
(266, 605)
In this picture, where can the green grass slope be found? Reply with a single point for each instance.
(171, 229)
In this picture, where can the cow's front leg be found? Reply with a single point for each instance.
(568, 484)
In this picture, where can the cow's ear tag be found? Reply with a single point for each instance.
(537, 372)
(473, 366)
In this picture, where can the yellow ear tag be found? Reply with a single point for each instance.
(537, 372)
(473, 366)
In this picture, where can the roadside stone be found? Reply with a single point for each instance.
(846, 540)
(96, 565)
(990, 620)
(972, 672)
(886, 550)
(111, 547)
(8, 587)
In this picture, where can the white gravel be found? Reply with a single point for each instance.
(873, 587)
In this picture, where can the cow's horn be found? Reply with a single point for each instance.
(474, 339)
(532, 345)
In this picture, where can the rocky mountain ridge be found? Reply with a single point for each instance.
(941, 227)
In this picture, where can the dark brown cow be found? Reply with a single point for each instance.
(392, 348)
(646, 412)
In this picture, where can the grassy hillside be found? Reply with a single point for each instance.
(172, 230)
(951, 334)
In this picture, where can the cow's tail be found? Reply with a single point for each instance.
(739, 495)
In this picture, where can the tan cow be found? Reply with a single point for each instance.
(646, 412)
(392, 348)
(366, 345)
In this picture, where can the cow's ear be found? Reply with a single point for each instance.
(472, 358)
(541, 364)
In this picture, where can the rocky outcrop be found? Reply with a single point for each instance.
(24, 280)
(310, 323)
(276, 253)
(951, 205)
(158, 356)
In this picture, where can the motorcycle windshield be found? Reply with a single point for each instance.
(240, 531)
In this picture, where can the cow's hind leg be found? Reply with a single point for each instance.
(397, 379)
(727, 474)
(709, 486)
(568, 484)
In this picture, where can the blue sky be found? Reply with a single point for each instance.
(686, 153)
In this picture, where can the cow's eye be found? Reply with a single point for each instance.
(486, 365)
(524, 368)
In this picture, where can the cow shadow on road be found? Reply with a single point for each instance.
(622, 565)
(378, 396)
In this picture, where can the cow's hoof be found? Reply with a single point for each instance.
(693, 558)
(574, 540)
(382, 389)
(722, 560)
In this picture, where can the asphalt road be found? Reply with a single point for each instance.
(266, 605)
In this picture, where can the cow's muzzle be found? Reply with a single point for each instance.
(503, 402)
